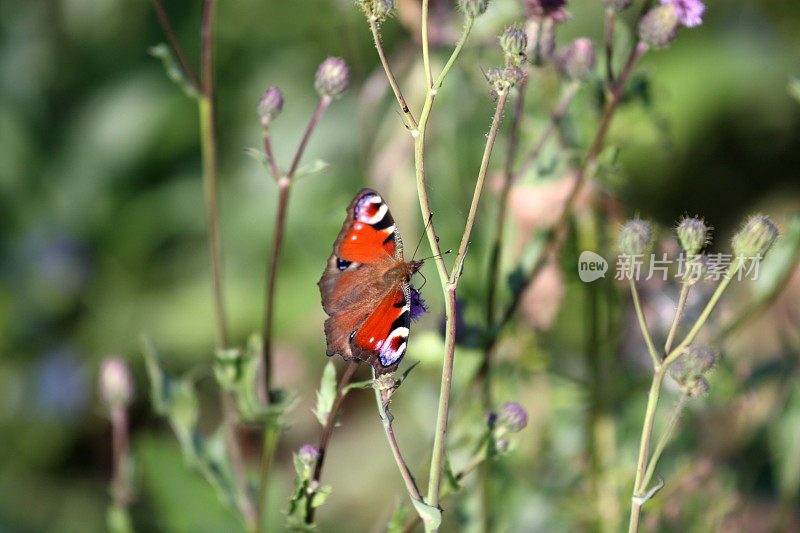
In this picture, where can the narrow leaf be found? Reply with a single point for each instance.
(326, 394)
(173, 70)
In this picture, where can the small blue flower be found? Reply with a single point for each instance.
(418, 307)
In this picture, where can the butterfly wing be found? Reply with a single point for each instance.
(382, 338)
(355, 291)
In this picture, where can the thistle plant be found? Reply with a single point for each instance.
(687, 363)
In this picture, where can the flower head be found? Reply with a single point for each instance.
(635, 237)
(690, 12)
(473, 8)
(332, 78)
(270, 105)
(418, 307)
(693, 234)
(756, 237)
(658, 27)
(513, 417)
(513, 41)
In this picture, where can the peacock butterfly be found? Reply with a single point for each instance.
(365, 287)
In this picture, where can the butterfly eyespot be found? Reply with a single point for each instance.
(342, 264)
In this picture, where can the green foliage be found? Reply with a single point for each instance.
(326, 394)
(237, 372)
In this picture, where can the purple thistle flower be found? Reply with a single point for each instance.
(418, 307)
(690, 12)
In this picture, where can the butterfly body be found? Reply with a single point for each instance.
(365, 287)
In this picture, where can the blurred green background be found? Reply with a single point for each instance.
(102, 240)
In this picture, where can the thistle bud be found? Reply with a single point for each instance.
(755, 239)
(696, 360)
(635, 237)
(332, 78)
(270, 105)
(658, 26)
(577, 61)
(115, 383)
(513, 41)
(693, 235)
(473, 8)
(513, 417)
(502, 78)
(691, 367)
(376, 9)
(308, 454)
(304, 461)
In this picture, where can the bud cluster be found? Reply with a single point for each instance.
(692, 367)
(501, 79)
(511, 418)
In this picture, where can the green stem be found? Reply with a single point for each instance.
(208, 136)
(386, 419)
(328, 429)
(643, 324)
(644, 444)
(666, 434)
(177, 49)
(678, 313)
(426, 56)
(376, 37)
(478, 459)
(502, 98)
(701, 320)
(444, 397)
(450, 311)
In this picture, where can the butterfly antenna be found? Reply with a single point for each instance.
(424, 280)
(430, 217)
(437, 255)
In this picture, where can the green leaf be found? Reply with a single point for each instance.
(366, 384)
(312, 168)
(173, 70)
(320, 495)
(450, 477)
(326, 393)
(431, 516)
